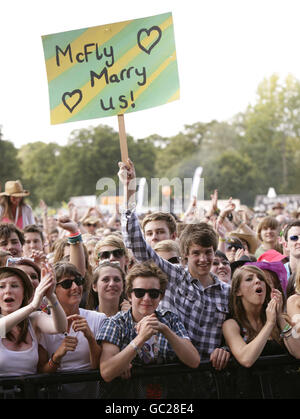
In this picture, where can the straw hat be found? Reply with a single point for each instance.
(14, 188)
(251, 239)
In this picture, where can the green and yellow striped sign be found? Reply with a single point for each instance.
(111, 69)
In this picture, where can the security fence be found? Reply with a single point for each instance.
(270, 377)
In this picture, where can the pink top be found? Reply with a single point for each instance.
(19, 222)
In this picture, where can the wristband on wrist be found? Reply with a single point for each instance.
(53, 363)
(286, 331)
(221, 239)
(74, 234)
(75, 238)
(135, 347)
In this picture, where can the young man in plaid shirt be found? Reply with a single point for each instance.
(196, 295)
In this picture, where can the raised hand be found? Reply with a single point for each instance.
(45, 288)
(66, 223)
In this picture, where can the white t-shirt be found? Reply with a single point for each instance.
(80, 358)
(77, 360)
(19, 362)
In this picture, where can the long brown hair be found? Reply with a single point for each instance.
(236, 307)
(23, 325)
(93, 300)
(5, 203)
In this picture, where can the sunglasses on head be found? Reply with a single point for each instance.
(117, 253)
(67, 283)
(174, 259)
(140, 292)
(294, 238)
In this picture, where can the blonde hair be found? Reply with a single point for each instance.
(110, 240)
(167, 246)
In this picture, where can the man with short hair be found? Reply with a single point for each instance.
(158, 226)
(196, 295)
(34, 239)
(292, 245)
(11, 239)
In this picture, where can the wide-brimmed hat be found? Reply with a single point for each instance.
(251, 239)
(14, 188)
(21, 274)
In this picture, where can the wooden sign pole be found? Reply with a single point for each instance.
(123, 139)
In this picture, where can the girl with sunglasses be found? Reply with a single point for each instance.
(112, 248)
(143, 334)
(77, 349)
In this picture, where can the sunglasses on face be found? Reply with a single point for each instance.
(117, 253)
(153, 292)
(174, 260)
(234, 246)
(294, 238)
(67, 283)
(91, 225)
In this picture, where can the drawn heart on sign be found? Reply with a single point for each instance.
(144, 40)
(74, 98)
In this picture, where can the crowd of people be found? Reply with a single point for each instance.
(112, 292)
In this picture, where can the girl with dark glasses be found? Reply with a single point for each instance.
(76, 349)
(112, 248)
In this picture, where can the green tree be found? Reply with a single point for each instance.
(40, 165)
(10, 165)
(272, 132)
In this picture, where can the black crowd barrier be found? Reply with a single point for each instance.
(272, 377)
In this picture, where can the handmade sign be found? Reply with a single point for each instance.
(112, 69)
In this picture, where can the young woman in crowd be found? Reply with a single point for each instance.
(107, 293)
(112, 248)
(257, 324)
(77, 349)
(20, 324)
(12, 206)
(221, 267)
(143, 334)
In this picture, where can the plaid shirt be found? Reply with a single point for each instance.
(120, 331)
(201, 310)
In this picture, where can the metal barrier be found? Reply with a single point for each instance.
(270, 377)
